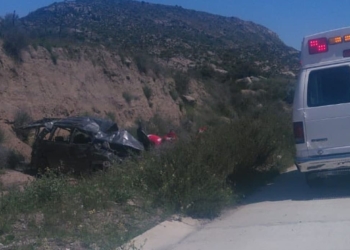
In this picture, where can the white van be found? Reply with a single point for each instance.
(321, 111)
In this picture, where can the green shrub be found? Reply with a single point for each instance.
(194, 176)
(187, 179)
(127, 97)
(147, 91)
(14, 159)
(145, 64)
(158, 125)
(2, 136)
(3, 157)
(174, 95)
(54, 58)
(105, 187)
(182, 82)
(142, 62)
(207, 72)
(21, 118)
(111, 116)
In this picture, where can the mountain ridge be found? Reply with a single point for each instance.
(165, 32)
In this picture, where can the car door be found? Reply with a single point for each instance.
(80, 151)
(56, 149)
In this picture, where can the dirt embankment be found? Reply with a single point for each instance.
(65, 82)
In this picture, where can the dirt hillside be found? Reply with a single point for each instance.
(62, 82)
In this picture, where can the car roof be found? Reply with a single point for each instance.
(84, 123)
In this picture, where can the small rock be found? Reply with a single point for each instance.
(189, 99)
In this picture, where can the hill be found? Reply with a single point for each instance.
(166, 32)
(132, 60)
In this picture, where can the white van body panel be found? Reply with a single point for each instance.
(326, 123)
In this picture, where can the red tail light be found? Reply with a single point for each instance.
(319, 45)
(298, 128)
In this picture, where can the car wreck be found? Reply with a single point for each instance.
(80, 144)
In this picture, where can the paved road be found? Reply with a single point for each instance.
(286, 214)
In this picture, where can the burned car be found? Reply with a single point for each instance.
(79, 144)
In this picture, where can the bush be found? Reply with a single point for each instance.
(142, 63)
(21, 118)
(3, 157)
(174, 95)
(182, 82)
(2, 136)
(106, 187)
(10, 158)
(147, 91)
(195, 176)
(183, 180)
(158, 125)
(111, 116)
(14, 159)
(145, 64)
(54, 58)
(207, 72)
(127, 97)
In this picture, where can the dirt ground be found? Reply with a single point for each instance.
(11, 178)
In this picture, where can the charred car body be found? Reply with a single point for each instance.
(78, 144)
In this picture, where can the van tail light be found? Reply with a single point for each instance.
(319, 45)
(298, 128)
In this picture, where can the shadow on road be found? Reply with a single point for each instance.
(292, 186)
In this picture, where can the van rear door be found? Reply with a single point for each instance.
(327, 113)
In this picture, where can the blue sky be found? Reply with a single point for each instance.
(290, 19)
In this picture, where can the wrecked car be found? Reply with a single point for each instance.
(79, 144)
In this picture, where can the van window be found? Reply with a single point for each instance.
(328, 86)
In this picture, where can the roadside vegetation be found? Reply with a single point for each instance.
(197, 176)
